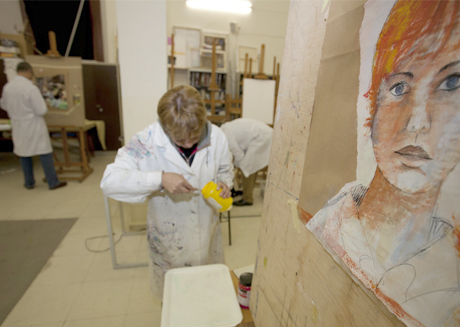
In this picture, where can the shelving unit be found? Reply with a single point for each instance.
(210, 79)
(201, 80)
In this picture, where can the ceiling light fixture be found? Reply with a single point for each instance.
(235, 6)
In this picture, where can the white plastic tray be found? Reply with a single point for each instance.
(201, 296)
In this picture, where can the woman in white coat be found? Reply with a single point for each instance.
(167, 163)
(250, 142)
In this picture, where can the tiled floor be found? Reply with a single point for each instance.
(78, 287)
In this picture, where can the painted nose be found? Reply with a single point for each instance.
(420, 121)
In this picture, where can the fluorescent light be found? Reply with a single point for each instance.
(236, 6)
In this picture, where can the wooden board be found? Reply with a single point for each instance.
(297, 283)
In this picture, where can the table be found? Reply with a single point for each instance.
(247, 316)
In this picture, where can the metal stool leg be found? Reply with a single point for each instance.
(229, 226)
(115, 264)
(229, 229)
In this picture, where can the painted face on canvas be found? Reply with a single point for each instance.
(416, 126)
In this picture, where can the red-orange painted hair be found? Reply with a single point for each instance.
(413, 27)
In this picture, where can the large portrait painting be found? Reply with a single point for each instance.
(397, 227)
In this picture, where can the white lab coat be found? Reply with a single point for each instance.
(250, 142)
(25, 106)
(183, 229)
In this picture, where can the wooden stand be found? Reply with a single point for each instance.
(250, 69)
(233, 107)
(260, 74)
(81, 168)
(213, 88)
(172, 61)
(245, 68)
(53, 51)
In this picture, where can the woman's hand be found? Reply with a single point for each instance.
(225, 193)
(176, 183)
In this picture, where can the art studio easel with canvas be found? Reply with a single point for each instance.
(61, 83)
(255, 100)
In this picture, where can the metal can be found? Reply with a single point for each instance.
(244, 290)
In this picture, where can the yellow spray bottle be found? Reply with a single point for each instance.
(212, 196)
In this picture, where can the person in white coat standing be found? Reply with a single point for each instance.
(25, 106)
(249, 142)
(168, 163)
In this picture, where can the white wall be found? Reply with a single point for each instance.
(266, 24)
(109, 30)
(143, 60)
(10, 17)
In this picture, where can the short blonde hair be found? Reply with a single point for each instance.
(182, 112)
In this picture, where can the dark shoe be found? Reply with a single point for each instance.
(61, 184)
(236, 193)
(29, 187)
(242, 203)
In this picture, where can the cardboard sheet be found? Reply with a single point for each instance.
(331, 150)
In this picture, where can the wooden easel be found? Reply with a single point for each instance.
(53, 51)
(245, 68)
(172, 61)
(213, 89)
(261, 74)
(233, 107)
(79, 168)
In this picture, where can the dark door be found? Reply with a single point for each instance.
(100, 82)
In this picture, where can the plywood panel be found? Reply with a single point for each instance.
(297, 283)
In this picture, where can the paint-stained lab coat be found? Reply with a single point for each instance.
(26, 107)
(250, 142)
(182, 229)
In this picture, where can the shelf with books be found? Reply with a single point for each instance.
(201, 80)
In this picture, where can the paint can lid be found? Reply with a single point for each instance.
(246, 279)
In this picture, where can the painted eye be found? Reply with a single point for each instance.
(451, 83)
(399, 89)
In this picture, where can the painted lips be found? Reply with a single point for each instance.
(414, 153)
